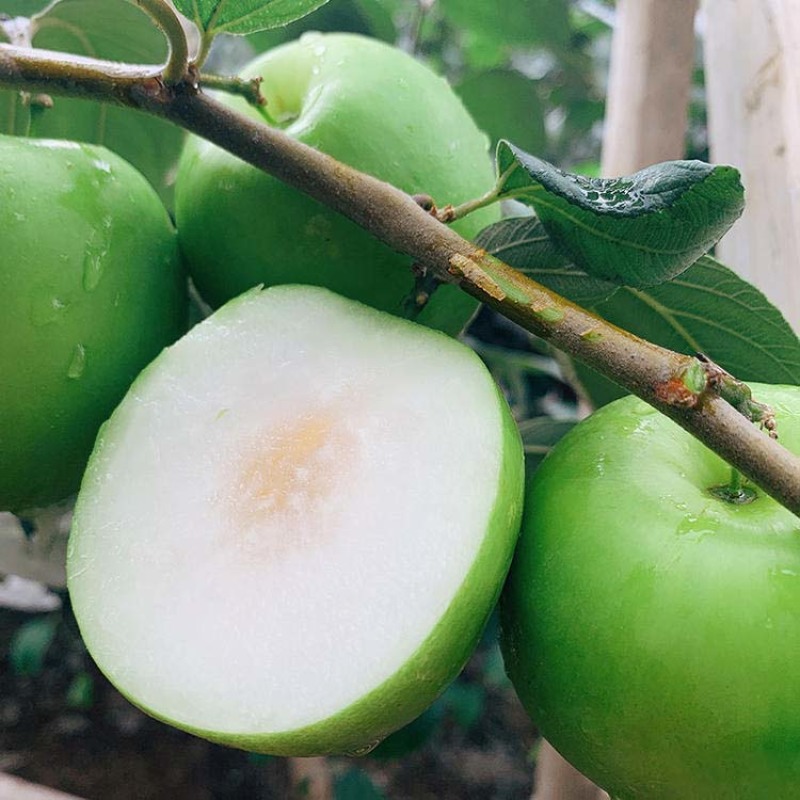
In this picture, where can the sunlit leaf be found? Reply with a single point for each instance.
(244, 16)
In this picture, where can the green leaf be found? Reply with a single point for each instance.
(244, 16)
(708, 309)
(30, 644)
(505, 103)
(80, 694)
(539, 436)
(523, 243)
(22, 8)
(92, 28)
(638, 230)
(511, 22)
(465, 702)
(712, 310)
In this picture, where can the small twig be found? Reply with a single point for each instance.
(250, 89)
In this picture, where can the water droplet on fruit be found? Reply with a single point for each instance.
(77, 365)
(94, 263)
(46, 310)
(696, 527)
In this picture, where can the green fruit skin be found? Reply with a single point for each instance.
(401, 698)
(370, 106)
(651, 630)
(92, 289)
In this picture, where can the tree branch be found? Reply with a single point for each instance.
(395, 218)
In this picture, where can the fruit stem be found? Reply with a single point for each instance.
(734, 491)
(396, 219)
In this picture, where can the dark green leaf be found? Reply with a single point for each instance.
(22, 8)
(505, 103)
(712, 310)
(92, 28)
(30, 644)
(244, 16)
(639, 230)
(541, 434)
(523, 243)
(465, 702)
(355, 784)
(707, 309)
(80, 694)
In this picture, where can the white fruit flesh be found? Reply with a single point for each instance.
(282, 510)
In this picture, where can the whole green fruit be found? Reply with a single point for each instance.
(651, 628)
(368, 105)
(273, 547)
(91, 288)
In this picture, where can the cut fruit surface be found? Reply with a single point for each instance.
(293, 529)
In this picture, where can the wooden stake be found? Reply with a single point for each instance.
(652, 59)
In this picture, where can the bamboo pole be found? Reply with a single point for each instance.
(752, 56)
(652, 59)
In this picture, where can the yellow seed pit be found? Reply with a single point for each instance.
(284, 479)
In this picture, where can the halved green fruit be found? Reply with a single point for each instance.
(295, 526)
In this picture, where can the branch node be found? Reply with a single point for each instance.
(446, 214)
(425, 284)
(739, 395)
(425, 202)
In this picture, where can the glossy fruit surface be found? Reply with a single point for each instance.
(372, 107)
(91, 290)
(651, 629)
(272, 547)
